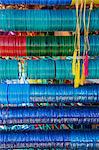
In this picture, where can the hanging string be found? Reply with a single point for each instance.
(80, 79)
(86, 43)
(76, 59)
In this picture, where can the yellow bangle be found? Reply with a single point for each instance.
(87, 2)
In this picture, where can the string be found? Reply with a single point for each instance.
(76, 59)
(86, 43)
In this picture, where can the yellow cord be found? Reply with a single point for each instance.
(87, 2)
(77, 75)
(79, 79)
(76, 59)
(74, 63)
(85, 31)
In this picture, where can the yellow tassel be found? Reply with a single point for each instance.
(75, 80)
(74, 63)
(82, 81)
(77, 75)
